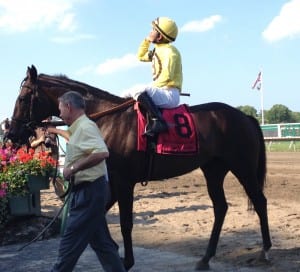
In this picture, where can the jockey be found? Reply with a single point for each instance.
(166, 72)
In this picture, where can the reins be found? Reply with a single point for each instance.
(97, 115)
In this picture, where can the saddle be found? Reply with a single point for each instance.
(181, 137)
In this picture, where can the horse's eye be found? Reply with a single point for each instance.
(24, 98)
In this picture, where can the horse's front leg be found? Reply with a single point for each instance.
(219, 212)
(125, 202)
(214, 180)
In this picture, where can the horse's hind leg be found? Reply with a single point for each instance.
(214, 173)
(259, 202)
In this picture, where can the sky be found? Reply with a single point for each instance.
(223, 45)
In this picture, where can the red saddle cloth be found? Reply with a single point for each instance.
(181, 137)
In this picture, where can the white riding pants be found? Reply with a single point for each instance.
(162, 97)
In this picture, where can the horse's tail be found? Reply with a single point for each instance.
(262, 158)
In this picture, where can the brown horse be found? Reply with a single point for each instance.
(228, 140)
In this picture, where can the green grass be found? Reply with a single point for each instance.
(283, 146)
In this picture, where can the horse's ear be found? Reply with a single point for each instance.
(32, 73)
(33, 68)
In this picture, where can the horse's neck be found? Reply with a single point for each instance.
(97, 101)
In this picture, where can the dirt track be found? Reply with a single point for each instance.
(176, 216)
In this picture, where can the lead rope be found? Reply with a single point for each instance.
(53, 219)
(67, 194)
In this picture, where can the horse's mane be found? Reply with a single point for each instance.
(62, 81)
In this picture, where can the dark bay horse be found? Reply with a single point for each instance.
(228, 140)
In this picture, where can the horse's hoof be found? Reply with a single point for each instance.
(264, 257)
(128, 265)
(261, 260)
(202, 266)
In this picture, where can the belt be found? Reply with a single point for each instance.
(84, 184)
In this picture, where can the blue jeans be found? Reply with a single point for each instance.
(85, 225)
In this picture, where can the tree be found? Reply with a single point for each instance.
(280, 114)
(296, 116)
(249, 110)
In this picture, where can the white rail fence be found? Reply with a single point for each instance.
(281, 132)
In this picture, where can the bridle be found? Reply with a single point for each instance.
(27, 122)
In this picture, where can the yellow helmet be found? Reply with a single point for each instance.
(166, 27)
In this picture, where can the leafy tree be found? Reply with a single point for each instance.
(277, 114)
(296, 116)
(280, 114)
(249, 110)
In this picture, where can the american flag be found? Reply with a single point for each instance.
(257, 83)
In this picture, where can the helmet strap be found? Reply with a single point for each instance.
(161, 39)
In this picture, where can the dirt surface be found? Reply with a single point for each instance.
(176, 216)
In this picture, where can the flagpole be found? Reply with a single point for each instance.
(258, 84)
(262, 98)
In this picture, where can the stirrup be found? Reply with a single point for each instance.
(157, 127)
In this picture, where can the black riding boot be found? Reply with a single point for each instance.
(159, 124)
